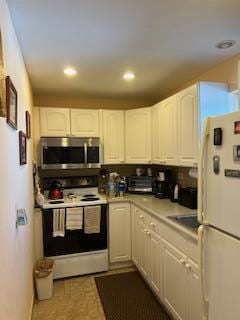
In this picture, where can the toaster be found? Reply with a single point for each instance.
(188, 197)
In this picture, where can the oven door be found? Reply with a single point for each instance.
(74, 241)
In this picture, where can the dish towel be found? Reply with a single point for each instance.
(92, 219)
(58, 222)
(74, 218)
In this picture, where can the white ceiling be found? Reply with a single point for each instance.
(165, 42)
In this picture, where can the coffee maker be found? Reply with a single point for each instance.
(162, 184)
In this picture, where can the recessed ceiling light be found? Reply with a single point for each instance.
(128, 76)
(225, 44)
(70, 71)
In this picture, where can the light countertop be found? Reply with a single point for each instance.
(161, 209)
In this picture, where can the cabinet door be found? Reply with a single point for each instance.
(155, 262)
(156, 134)
(138, 135)
(85, 122)
(144, 244)
(119, 232)
(195, 306)
(135, 235)
(54, 122)
(170, 130)
(175, 281)
(113, 136)
(188, 126)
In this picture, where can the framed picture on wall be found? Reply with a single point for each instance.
(28, 125)
(11, 103)
(22, 148)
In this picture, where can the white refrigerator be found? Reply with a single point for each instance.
(219, 216)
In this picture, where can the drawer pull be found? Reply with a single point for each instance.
(188, 266)
(148, 233)
(142, 217)
(152, 225)
(182, 261)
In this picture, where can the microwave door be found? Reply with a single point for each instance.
(93, 156)
(63, 157)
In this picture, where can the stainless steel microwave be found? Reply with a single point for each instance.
(70, 153)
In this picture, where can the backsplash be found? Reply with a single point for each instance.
(179, 174)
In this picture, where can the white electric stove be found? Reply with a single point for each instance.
(91, 255)
(75, 197)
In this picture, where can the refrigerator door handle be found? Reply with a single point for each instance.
(201, 169)
(201, 231)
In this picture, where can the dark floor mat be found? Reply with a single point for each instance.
(126, 296)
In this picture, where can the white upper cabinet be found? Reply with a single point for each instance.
(194, 104)
(170, 120)
(138, 135)
(85, 122)
(113, 136)
(54, 122)
(164, 132)
(188, 126)
(158, 149)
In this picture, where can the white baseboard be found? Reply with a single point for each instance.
(118, 265)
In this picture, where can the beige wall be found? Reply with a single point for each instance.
(78, 102)
(16, 245)
(226, 71)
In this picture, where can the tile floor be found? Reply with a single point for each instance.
(73, 299)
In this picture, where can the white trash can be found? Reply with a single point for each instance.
(43, 273)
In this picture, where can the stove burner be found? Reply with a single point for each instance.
(90, 199)
(90, 195)
(56, 201)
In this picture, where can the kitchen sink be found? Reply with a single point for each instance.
(189, 220)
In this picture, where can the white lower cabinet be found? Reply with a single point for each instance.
(155, 259)
(182, 287)
(135, 232)
(119, 232)
(175, 281)
(195, 296)
(167, 261)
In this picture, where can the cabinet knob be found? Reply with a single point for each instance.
(141, 217)
(182, 261)
(188, 266)
(152, 225)
(148, 233)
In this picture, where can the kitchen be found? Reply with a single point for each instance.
(135, 133)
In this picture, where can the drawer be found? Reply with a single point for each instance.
(174, 237)
(192, 250)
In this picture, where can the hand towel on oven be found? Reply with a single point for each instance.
(59, 222)
(74, 218)
(92, 219)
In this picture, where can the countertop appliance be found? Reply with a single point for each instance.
(76, 253)
(187, 197)
(162, 184)
(70, 153)
(219, 215)
(140, 184)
